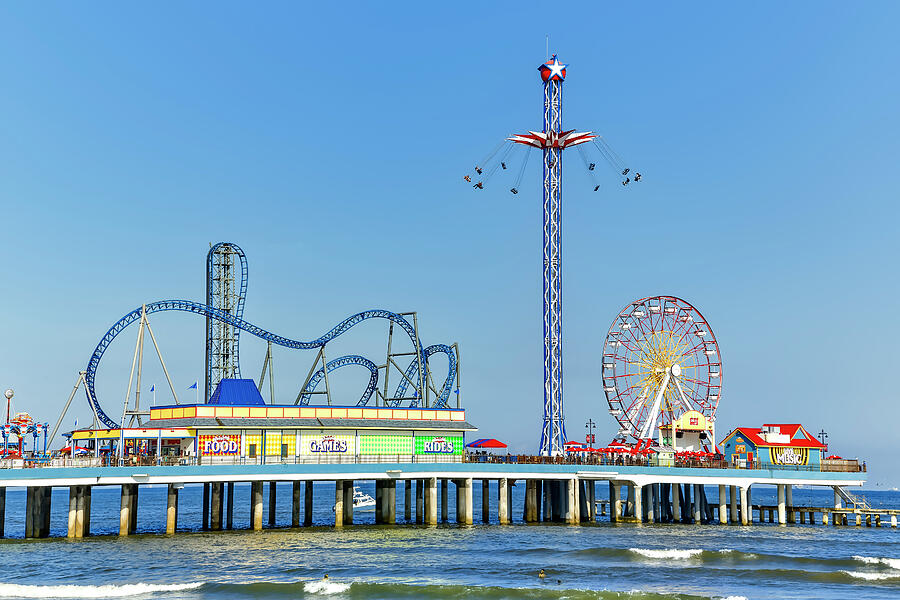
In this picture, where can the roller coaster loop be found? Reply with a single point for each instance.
(208, 311)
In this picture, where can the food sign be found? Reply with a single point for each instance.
(220, 445)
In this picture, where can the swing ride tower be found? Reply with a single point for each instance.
(552, 141)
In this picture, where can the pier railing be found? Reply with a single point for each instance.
(843, 466)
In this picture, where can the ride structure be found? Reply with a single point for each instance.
(551, 140)
(662, 373)
(223, 312)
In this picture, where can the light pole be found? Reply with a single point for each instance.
(590, 426)
(822, 437)
(9, 394)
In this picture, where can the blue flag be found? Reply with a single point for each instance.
(193, 387)
(152, 388)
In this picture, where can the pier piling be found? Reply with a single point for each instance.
(338, 503)
(295, 504)
(256, 505)
(172, 509)
(308, 503)
(229, 505)
(273, 498)
(486, 500)
(503, 501)
(445, 498)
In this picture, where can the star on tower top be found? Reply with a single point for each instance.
(553, 70)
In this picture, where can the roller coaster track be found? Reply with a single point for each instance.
(337, 363)
(214, 313)
(413, 367)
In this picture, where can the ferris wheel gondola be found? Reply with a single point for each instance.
(660, 361)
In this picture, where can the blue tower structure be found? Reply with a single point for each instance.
(552, 141)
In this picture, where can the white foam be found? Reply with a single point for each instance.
(325, 587)
(15, 590)
(668, 553)
(893, 563)
(734, 598)
(869, 576)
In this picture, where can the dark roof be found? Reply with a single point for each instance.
(236, 392)
(313, 423)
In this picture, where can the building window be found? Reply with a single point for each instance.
(252, 451)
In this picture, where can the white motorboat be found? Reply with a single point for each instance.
(360, 499)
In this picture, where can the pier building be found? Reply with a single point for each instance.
(773, 445)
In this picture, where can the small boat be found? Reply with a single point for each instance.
(360, 499)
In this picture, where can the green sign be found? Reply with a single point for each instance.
(385, 444)
(439, 444)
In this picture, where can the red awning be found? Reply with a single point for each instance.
(486, 443)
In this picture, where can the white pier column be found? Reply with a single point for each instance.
(430, 500)
(638, 491)
(789, 497)
(339, 503)
(676, 502)
(698, 492)
(782, 514)
(616, 502)
(745, 508)
(503, 499)
(837, 498)
(732, 498)
(723, 512)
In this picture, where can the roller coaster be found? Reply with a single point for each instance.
(224, 315)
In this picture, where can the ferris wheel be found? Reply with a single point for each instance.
(660, 360)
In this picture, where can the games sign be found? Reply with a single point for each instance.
(789, 456)
(220, 445)
(329, 444)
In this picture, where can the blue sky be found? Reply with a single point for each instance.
(330, 143)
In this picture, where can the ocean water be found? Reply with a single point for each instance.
(365, 561)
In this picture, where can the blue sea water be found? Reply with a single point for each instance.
(364, 561)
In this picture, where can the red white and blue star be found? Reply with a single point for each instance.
(553, 70)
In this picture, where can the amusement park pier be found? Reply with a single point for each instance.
(661, 373)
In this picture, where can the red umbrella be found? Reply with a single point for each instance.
(486, 443)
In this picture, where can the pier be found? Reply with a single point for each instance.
(420, 492)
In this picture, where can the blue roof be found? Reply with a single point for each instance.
(236, 392)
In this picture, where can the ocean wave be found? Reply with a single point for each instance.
(323, 587)
(893, 563)
(870, 576)
(16, 590)
(667, 553)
